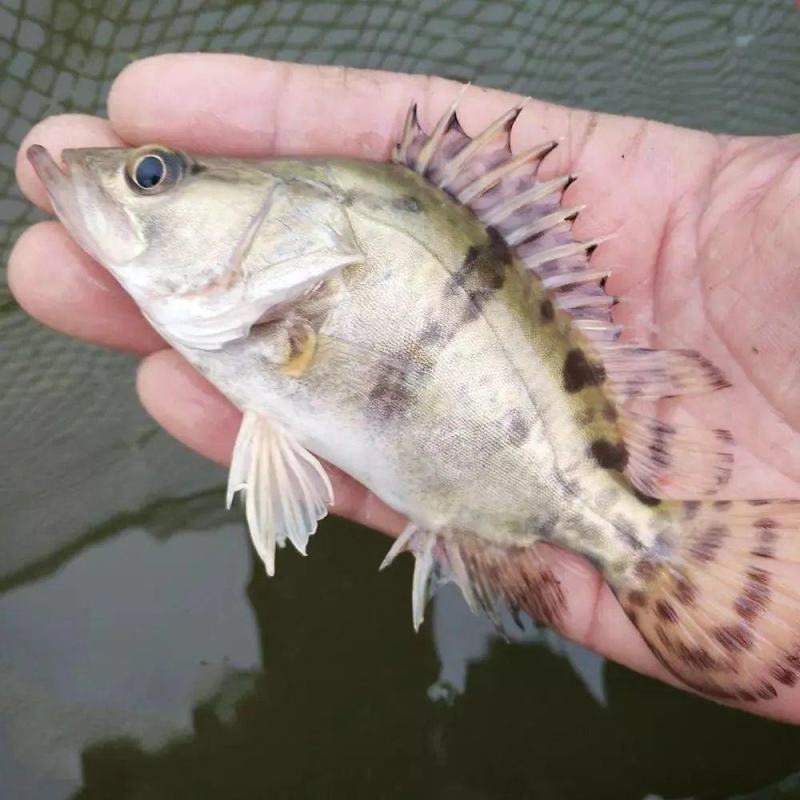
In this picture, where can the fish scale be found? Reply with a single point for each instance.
(432, 327)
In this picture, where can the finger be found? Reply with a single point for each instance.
(57, 134)
(62, 287)
(253, 107)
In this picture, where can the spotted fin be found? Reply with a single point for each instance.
(286, 490)
(486, 574)
(675, 460)
(721, 608)
(645, 374)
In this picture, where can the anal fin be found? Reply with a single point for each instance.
(487, 574)
(286, 489)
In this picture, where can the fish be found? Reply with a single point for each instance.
(430, 325)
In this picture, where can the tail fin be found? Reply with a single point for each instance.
(721, 609)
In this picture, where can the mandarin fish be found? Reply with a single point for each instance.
(431, 326)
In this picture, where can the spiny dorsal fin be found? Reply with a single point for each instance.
(504, 191)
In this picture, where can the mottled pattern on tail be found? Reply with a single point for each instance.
(721, 607)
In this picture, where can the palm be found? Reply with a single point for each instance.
(707, 256)
(705, 250)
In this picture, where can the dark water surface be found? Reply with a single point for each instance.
(144, 654)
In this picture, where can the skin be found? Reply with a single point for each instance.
(706, 256)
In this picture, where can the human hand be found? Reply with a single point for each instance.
(706, 255)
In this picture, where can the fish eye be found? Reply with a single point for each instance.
(149, 172)
(154, 170)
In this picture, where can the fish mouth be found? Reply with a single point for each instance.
(50, 174)
(60, 185)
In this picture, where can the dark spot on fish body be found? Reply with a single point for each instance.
(546, 311)
(609, 455)
(647, 499)
(579, 372)
(390, 397)
(545, 527)
(722, 505)
(349, 197)
(637, 598)
(646, 569)
(477, 300)
(407, 203)
(627, 532)
(433, 333)
(610, 413)
(481, 274)
(497, 251)
(395, 387)
(517, 427)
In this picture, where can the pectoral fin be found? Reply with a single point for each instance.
(285, 488)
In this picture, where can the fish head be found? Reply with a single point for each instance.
(205, 247)
(155, 217)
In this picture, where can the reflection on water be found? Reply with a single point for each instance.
(145, 654)
(462, 639)
(174, 668)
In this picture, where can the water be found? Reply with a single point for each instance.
(145, 655)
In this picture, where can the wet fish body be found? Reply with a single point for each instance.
(432, 327)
